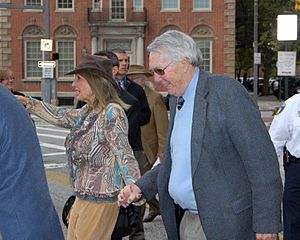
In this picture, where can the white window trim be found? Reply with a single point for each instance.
(141, 9)
(170, 9)
(25, 2)
(210, 52)
(68, 77)
(64, 9)
(209, 9)
(32, 10)
(25, 62)
(94, 9)
(125, 12)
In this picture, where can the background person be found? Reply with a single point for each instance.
(138, 92)
(26, 208)
(154, 133)
(98, 151)
(220, 164)
(7, 79)
(285, 133)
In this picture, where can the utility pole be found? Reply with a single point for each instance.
(46, 87)
(255, 50)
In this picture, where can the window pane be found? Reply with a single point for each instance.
(33, 55)
(170, 4)
(98, 4)
(117, 9)
(66, 60)
(33, 2)
(204, 46)
(201, 3)
(138, 4)
(65, 4)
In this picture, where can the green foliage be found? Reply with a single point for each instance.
(267, 34)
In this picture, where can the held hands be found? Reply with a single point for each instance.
(130, 193)
(266, 236)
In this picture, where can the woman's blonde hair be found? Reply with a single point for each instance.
(105, 90)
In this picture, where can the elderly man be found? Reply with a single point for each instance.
(26, 209)
(220, 164)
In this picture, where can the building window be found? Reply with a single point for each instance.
(117, 10)
(138, 5)
(33, 54)
(206, 50)
(97, 4)
(202, 4)
(65, 4)
(33, 2)
(170, 4)
(66, 62)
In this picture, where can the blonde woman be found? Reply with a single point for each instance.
(98, 151)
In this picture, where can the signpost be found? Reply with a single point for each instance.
(286, 64)
(48, 83)
(50, 64)
(287, 30)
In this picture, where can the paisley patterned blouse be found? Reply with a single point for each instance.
(100, 158)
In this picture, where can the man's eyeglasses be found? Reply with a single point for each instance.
(159, 71)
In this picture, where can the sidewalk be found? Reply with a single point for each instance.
(267, 105)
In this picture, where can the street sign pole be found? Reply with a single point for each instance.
(48, 85)
(286, 79)
(255, 49)
(46, 82)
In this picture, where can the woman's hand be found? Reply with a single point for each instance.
(130, 193)
(24, 100)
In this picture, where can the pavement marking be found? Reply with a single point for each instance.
(54, 165)
(51, 136)
(53, 146)
(58, 177)
(54, 154)
(52, 129)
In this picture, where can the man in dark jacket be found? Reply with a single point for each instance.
(26, 208)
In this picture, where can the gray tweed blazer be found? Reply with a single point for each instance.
(235, 171)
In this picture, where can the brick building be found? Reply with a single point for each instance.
(78, 27)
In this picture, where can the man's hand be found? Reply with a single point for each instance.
(266, 236)
(130, 193)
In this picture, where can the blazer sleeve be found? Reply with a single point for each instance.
(148, 183)
(250, 137)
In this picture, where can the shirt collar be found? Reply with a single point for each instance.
(189, 92)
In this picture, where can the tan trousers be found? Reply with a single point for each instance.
(91, 220)
(191, 228)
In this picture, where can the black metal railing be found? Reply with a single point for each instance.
(117, 15)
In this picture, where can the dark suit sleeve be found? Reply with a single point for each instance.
(138, 92)
(148, 183)
(145, 110)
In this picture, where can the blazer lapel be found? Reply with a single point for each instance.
(199, 119)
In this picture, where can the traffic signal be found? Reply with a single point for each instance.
(297, 5)
(55, 55)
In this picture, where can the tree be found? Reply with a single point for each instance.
(267, 35)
